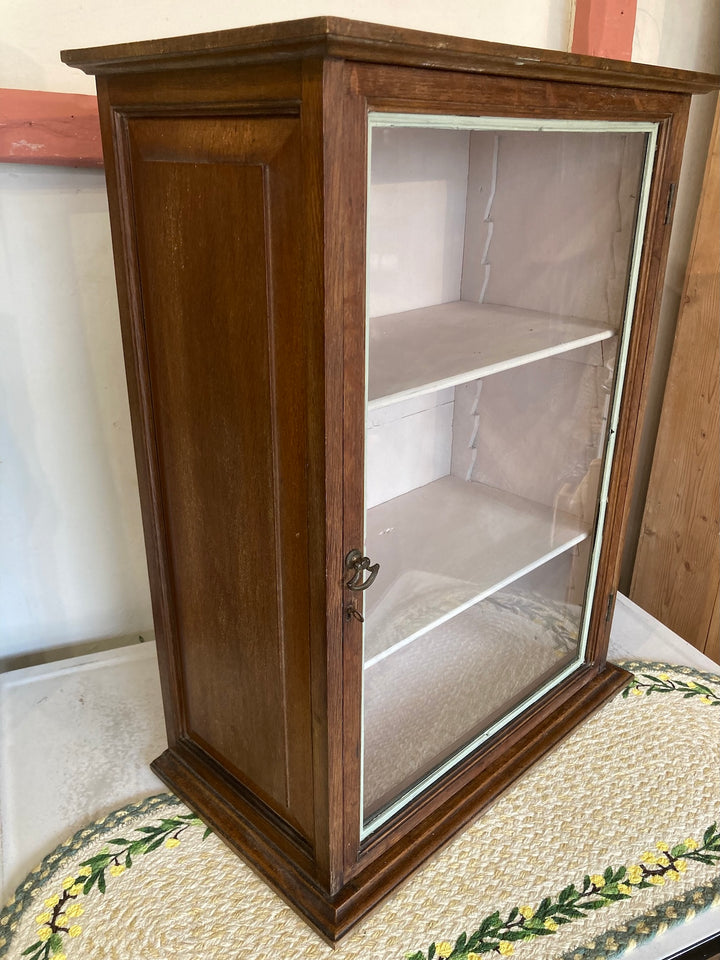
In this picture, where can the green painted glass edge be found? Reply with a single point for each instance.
(434, 121)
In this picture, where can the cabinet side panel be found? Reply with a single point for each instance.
(212, 205)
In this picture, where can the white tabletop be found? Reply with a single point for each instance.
(77, 737)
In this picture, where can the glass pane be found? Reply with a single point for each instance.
(498, 274)
(431, 697)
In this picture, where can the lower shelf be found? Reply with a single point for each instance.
(448, 690)
(465, 541)
(403, 845)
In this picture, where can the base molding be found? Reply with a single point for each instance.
(333, 916)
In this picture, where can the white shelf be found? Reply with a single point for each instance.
(419, 351)
(444, 547)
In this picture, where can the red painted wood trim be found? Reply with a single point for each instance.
(52, 128)
(604, 28)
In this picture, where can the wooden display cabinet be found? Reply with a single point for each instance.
(387, 304)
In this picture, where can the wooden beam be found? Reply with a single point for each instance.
(677, 566)
(604, 28)
(50, 128)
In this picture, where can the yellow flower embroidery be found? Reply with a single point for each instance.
(705, 699)
(75, 910)
(634, 874)
(117, 868)
(637, 692)
(444, 948)
(657, 880)
(550, 924)
(527, 912)
(84, 871)
(664, 677)
(44, 933)
(75, 890)
(75, 930)
(598, 880)
(662, 847)
(52, 901)
(649, 858)
(673, 874)
(691, 844)
(45, 917)
(172, 842)
(506, 949)
(474, 956)
(624, 888)
(691, 684)
(681, 866)
(662, 861)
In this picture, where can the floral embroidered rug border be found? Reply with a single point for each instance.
(604, 844)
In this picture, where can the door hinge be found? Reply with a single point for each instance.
(670, 203)
(610, 605)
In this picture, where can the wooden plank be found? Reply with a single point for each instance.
(227, 375)
(604, 28)
(51, 128)
(423, 350)
(678, 559)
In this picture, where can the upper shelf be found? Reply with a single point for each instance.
(419, 351)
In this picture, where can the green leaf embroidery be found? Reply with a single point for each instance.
(598, 891)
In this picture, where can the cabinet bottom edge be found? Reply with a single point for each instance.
(333, 916)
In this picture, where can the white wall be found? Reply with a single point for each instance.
(72, 564)
(34, 31)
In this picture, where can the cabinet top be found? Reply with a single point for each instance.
(339, 38)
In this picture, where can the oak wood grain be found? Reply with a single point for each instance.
(377, 43)
(237, 167)
(677, 567)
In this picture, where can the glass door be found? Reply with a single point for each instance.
(501, 265)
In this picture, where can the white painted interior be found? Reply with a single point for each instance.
(507, 290)
(447, 545)
(541, 213)
(427, 349)
(418, 200)
(408, 444)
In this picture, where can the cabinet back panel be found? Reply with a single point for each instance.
(213, 200)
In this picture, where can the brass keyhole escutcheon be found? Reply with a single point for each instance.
(351, 613)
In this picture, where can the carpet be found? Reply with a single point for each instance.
(605, 843)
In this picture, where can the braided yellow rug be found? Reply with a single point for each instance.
(609, 840)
